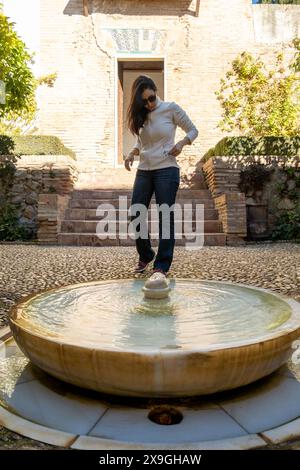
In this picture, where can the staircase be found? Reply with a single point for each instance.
(80, 219)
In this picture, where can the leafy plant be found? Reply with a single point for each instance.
(7, 164)
(248, 146)
(288, 225)
(280, 187)
(293, 194)
(15, 71)
(10, 228)
(18, 108)
(260, 102)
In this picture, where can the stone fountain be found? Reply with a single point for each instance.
(171, 338)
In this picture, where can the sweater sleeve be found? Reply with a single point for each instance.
(137, 144)
(181, 119)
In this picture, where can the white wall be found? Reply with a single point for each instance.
(26, 15)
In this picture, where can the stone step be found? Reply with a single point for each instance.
(90, 226)
(116, 202)
(114, 193)
(91, 239)
(90, 214)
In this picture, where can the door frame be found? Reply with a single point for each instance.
(132, 57)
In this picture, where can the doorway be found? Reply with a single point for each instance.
(128, 70)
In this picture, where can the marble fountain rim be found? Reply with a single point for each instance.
(291, 326)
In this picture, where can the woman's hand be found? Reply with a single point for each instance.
(128, 161)
(177, 149)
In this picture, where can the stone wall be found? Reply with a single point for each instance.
(279, 194)
(36, 175)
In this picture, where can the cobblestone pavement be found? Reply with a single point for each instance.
(29, 268)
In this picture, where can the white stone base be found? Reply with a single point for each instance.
(246, 418)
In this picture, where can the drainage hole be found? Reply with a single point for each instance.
(165, 415)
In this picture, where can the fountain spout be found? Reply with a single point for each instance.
(156, 287)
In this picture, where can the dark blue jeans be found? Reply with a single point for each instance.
(164, 182)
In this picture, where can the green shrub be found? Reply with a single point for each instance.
(10, 228)
(288, 225)
(7, 166)
(33, 145)
(267, 145)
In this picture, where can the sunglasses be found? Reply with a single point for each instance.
(151, 99)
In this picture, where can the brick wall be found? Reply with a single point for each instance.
(51, 208)
(232, 212)
(80, 107)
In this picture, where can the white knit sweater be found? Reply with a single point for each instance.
(157, 137)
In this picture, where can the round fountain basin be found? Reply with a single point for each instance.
(205, 337)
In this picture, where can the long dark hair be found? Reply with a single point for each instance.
(137, 112)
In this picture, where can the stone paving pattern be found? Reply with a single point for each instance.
(29, 268)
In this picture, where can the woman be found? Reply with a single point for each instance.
(154, 122)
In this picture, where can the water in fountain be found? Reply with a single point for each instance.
(115, 315)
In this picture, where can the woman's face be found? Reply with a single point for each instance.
(146, 94)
